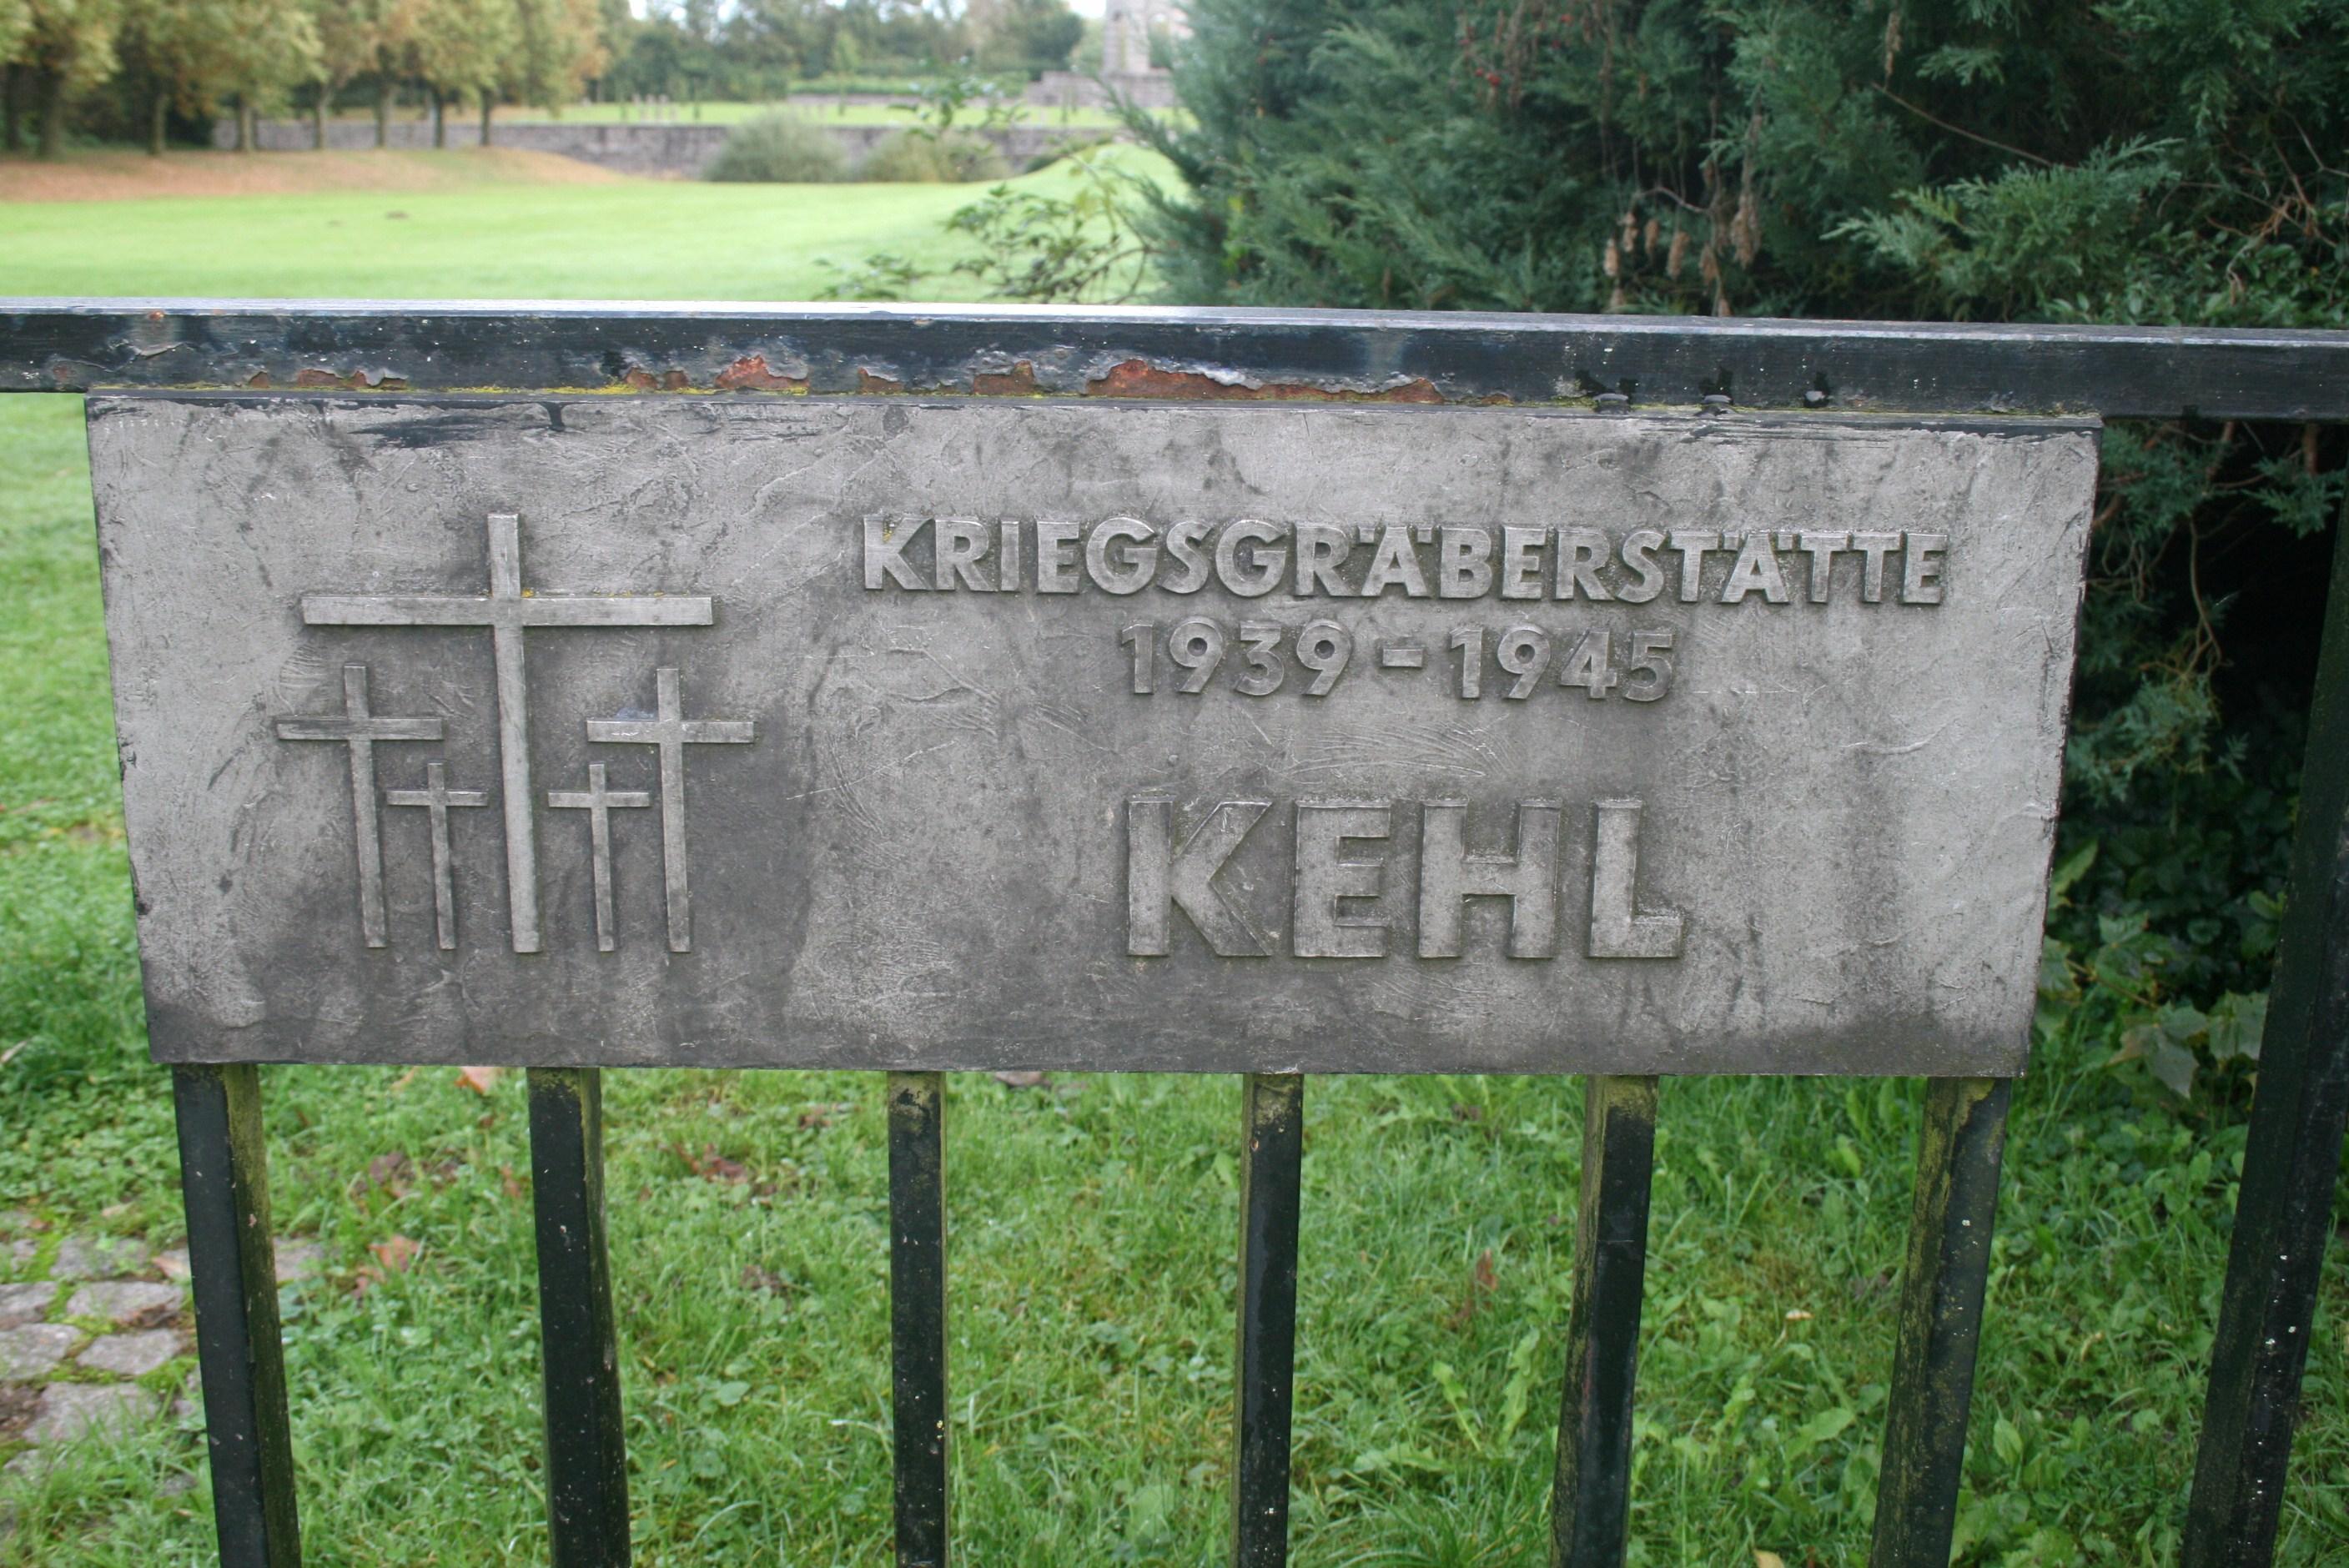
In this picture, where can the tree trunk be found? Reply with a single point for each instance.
(383, 113)
(157, 110)
(488, 104)
(12, 133)
(53, 115)
(439, 119)
(318, 121)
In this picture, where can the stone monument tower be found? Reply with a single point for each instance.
(1126, 27)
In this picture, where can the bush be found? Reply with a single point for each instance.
(920, 158)
(779, 149)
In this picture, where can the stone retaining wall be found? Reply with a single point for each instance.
(629, 148)
(1075, 89)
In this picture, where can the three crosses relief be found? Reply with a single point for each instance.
(506, 611)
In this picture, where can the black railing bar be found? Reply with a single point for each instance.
(586, 1450)
(232, 1257)
(2119, 372)
(917, 1315)
(1938, 1329)
(2292, 1161)
(1272, 1148)
(1590, 1500)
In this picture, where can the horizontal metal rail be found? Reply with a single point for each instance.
(2118, 372)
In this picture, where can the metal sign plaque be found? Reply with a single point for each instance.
(897, 733)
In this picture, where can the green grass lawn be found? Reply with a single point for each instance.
(1094, 1220)
(653, 239)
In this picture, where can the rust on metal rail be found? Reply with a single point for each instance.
(1604, 362)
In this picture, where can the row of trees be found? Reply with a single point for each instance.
(757, 49)
(198, 58)
(113, 65)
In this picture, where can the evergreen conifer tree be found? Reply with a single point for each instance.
(2160, 162)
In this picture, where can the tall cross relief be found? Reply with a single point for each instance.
(506, 611)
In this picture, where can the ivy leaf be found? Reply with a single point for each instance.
(2237, 1024)
(1822, 1427)
(2007, 1442)
(2174, 1065)
(2073, 869)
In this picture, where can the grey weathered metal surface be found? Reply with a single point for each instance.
(1536, 774)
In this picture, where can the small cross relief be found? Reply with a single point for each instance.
(506, 611)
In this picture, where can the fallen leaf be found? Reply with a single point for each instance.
(1796, 1314)
(390, 1172)
(1482, 1282)
(480, 1080)
(404, 1079)
(397, 1253)
(155, 1317)
(18, 1402)
(1021, 1080)
(821, 1116)
(364, 1279)
(1467, 1113)
(712, 1166)
(766, 1280)
(509, 1181)
(1767, 1559)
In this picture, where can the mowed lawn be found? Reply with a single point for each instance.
(481, 231)
(1094, 1217)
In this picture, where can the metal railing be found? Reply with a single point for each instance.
(2298, 1118)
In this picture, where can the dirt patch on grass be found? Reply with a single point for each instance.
(16, 1403)
(130, 176)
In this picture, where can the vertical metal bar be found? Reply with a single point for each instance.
(1590, 1503)
(2284, 1212)
(917, 1313)
(1940, 1323)
(1273, 1145)
(224, 1182)
(587, 1454)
